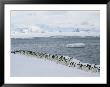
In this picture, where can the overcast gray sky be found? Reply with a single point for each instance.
(62, 19)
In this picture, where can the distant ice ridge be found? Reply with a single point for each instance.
(64, 60)
(54, 34)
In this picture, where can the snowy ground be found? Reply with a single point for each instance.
(27, 66)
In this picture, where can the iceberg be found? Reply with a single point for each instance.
(76, 45)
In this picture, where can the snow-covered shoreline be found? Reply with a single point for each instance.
(22, 65)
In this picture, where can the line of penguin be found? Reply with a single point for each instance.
(65, 60)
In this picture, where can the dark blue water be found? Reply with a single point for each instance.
(89, 54)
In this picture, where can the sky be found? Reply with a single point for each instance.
(54, 20)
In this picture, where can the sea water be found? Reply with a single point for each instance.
(57, 45)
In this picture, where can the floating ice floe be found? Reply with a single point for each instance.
(75, 45)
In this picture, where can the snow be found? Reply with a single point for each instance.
(49, 34)
(28, 66)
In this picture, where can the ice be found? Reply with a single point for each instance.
(55, 34)
(28, 66)
(76, 45)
